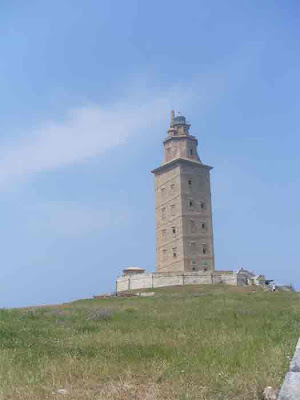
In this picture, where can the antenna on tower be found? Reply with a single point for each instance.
(172, 118)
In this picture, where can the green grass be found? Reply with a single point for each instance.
(193, 342)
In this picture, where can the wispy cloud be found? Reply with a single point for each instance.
(89, 131)
(84, 133)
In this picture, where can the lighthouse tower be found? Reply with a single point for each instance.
(184, 231)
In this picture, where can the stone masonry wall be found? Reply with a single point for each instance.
(153, 280)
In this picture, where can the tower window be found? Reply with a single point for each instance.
(174, 231)
(191, 204)
(202, 205)
(174, 251)
(203, 226)
(172, 187)
(190, 182)
(173, 209)
(163, 213)
(204, 248)
(191, 152)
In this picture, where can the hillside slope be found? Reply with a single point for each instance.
(197, 342)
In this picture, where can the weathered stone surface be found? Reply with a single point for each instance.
(270, 393)
(290, 389)
(295, 363)
(184, 229)
(149, 280)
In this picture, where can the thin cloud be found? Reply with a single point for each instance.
(84, 133)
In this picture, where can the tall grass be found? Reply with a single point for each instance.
(197, 342)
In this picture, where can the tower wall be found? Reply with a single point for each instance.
(197, 228)
(184, 231)
(180, 147)
(170, 252)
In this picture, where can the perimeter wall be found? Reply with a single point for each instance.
(154, 280)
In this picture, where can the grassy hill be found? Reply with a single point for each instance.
(192, 342)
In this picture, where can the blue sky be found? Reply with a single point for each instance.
(86, 93)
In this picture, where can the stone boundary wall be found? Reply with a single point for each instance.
(154, 280)
(290, 389)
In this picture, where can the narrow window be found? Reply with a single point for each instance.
(203, 226)
(202, 205)
(191, 204)
(204, 248)
(174, 250)
(174, 231)
(172, 187)
(191, 152)
(190, 182)
(163, 213)
(173, 209)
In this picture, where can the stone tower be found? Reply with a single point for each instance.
(184, 231)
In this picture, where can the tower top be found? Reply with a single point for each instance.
(180, 146)
(179, 143)
(178, 125)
